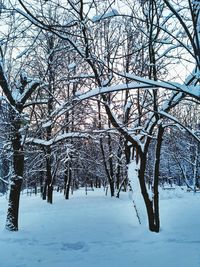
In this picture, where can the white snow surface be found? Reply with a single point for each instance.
(113, 12)
(72, 65)
(96, 230)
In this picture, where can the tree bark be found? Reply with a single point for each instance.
(16, 179)
(68, 179)
(49, 179)
(148, 202)
(156, 178)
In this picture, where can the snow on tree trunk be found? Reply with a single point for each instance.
(135, 192)
(13, 206)
(195, 182)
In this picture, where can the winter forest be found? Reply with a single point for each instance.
(100, 133)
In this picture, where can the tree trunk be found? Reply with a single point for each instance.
(41, 184)
(16, 180)
(13, 206)
(49, 179)
(44, 191)
(148, 202)
(119, 154)
(152, 206)
(68, 179)
(118, 173)
(195, 178)
(112, 188)
(156, 178)
(50, 194)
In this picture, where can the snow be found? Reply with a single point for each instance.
(72, 65)
(110, 89)
(127, 106)
(192, 90)
(96, 230)
(56, 139)
(16, 94)
(47, 124)
(113, 12)
(141, 83)
(135, 194)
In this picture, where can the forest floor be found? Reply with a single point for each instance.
(99, 231)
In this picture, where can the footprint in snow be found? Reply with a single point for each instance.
(73, 246)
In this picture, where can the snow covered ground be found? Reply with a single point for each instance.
(97, 231)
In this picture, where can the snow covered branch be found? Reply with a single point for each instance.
(54, 140)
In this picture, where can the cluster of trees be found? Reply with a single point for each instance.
(88, 87)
